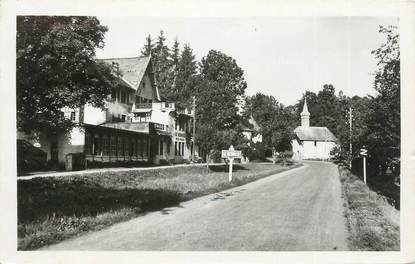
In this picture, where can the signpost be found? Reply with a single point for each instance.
(363, 152)
(231, 154)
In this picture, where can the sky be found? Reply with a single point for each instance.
(280, 56)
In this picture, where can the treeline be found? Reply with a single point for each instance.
(218, 84)
(375, 119)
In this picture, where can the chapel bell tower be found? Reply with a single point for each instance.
(305, 115)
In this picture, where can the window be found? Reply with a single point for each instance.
(105, 145)
(73, 115)
(113, 94)
(144, 84)
(175, 148)
(88, 144)
(123, 118)
(113, 141)
(168, 147)
(315, 143)
(120, 147)
(134, 144)
(160, 147)
(140, 146)
(131, 147)
(126, 147)
(97, 145)
(123, 97)
(182, 148)
(145, 147)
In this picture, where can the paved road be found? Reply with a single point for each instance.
(299, 209)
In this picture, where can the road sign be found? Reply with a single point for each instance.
(363, 152)
(236, 154)
(231, 154)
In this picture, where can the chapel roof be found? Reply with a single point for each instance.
(314, 133)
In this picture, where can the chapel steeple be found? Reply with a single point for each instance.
(305, 115)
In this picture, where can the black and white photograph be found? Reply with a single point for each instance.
(188, 133)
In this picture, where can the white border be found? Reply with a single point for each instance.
(405, 10)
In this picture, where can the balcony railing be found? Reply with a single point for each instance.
(143, 105)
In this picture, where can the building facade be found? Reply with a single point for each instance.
(312, 142)
(135, 126)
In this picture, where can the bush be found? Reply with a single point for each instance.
(257, 151)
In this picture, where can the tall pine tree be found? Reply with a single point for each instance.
(148, 47)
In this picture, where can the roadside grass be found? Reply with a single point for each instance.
(373, 223)
(52, 209)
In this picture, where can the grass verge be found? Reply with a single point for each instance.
(55, 208)
(372, 222)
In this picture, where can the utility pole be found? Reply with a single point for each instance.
(194, 129)
(350, 137)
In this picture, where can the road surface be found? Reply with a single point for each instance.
(300, 209)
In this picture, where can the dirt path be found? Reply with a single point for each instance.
(300, 209)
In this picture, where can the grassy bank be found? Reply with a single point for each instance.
(53, 209)
(372, 222)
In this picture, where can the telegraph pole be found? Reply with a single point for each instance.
(194, 129)
(350, 138)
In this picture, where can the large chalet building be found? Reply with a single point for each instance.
(136, 125)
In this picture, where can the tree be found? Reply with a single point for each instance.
(219, 85)
(55, 68)
(185, 81)
(175, 53)
(277, 122)
(148, 47)
(383, 119)
(162, 66)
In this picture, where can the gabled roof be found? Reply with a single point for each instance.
(314, 133)
(133, 69)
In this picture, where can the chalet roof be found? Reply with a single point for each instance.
(314, 133)
(132, 69)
